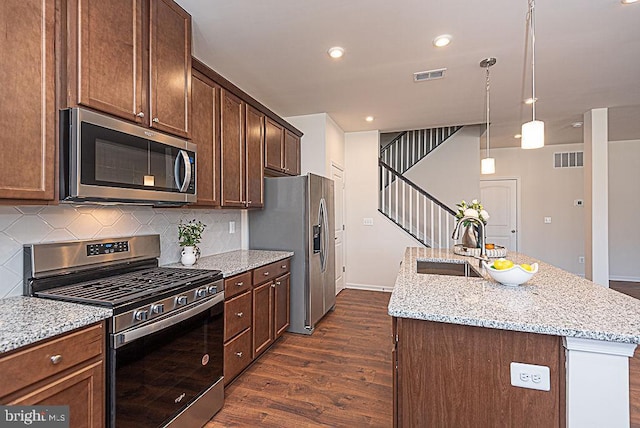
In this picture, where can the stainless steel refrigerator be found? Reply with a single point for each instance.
(298, 216)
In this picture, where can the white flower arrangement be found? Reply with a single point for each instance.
(475, 209)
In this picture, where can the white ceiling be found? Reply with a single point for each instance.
(587, 56)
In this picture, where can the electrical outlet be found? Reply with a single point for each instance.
(578, 202)
(367, 221)
(530, 376)
(581, 260)
(232, 227)
(547, 220)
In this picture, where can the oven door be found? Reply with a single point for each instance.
(159, 369)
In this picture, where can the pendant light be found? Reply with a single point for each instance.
(533, 131)
(488, 164)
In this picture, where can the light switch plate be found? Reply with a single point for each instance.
(232, 227)
(530, 376)
(547, 220)
(367, 221)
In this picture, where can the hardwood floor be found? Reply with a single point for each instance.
(339, 377)
(630, 288)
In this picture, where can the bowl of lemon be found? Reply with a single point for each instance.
(508, 273)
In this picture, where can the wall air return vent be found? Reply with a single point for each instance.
(568, 159)
(421, 76)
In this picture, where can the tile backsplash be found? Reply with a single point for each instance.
(30, 224)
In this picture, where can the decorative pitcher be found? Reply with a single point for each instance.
(188, 256)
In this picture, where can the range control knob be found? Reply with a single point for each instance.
(157, 309)
(201, 292)
(212, 289)
(181, 300)
(141, 315)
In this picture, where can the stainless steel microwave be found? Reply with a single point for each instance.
(103, 159)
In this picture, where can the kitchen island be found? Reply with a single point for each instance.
(456, 337)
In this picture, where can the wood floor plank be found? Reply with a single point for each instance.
(338, 377)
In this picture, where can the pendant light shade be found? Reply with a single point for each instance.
(488, 166)
(532, 135)
(533, 131)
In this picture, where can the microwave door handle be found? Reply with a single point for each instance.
(182, 155)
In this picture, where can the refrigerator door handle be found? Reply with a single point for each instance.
(324, 229)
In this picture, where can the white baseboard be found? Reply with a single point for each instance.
(624, 278)
(369, 287)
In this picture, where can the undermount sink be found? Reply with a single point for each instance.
(447, 268)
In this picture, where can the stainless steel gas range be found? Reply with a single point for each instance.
(165, 341)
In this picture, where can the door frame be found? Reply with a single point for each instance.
(344, 232)
(517, 179)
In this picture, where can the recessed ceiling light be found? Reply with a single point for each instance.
(517, 136)
(336, 52)
(369, 118)
(530, 101)
(577, 124)
(442, 41)
(628, 1)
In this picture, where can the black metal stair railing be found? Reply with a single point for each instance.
(413, 209)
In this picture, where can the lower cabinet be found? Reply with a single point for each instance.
(67, 370)
(256, 314)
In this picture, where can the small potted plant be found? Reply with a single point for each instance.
(190, 235)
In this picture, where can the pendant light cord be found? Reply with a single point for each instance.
(532, 20)
(488, 112)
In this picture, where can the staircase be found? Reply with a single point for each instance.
(403, 202)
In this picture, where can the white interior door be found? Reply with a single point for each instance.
(337, 175)
(500, 199)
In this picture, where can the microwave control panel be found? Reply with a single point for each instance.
(107, 248)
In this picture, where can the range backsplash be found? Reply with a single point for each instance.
(30, 224)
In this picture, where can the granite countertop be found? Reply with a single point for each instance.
(553, 302)
(26, 320)
(235, 262)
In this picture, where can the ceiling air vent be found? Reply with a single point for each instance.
(421, 76)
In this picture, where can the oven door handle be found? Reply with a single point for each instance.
(182, 155)
(126, 337)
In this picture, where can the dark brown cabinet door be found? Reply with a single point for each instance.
(232, 153)
(27, 110)
(281, 305)
(254, 174)
(274, 140)
(105, 47)
(205, 131)
(262, 317)
(170, 67)
(291, 155)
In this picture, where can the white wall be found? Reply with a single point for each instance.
(313, 148)
(450, 172)
(33, 224)
(334, 137)
(373, 252)
(547, 192)
(624, 204)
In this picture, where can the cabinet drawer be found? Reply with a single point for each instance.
(237, 355)
(270, 271)
(237, 284)
(237, 315)
(36, 363)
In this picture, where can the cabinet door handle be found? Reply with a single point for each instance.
(240, 284)
(266, 274)
(240, 314)
(283, 267)
(140, 114)
(273, 285)
(278, 283)
(156, 120)
(56, 359)
(239, 354)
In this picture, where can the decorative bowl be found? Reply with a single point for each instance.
(514, 276)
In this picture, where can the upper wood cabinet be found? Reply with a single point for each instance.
(170, 67)
(282, 149)
(132, 59)
(205, 132)
(254, 172)
(27, 110)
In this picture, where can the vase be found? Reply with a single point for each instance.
(470, 236)
(188, 256)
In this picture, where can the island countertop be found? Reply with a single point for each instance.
(235, 262)
(553, 302)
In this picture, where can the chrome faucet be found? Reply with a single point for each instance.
(482, 237)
